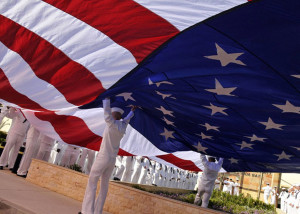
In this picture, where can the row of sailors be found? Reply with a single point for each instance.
(141, 170)
(290, 199)
(128, 169)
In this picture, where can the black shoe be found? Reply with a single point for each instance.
(80, 213)
(116, 179)
(23, 176)
(1, 167)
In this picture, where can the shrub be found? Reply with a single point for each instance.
(75, 167)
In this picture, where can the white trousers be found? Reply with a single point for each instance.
(204, 193)
(44, 151)
(266, 198)
(119, 171)
(13, 144)
(142, 179)
(91, 158)
(82, 158)
(136, 174)
(31, 151)
(102, 168)
(70, 157)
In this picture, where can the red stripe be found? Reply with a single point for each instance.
(9, 94)
(71, 129)
(129, 24)
(75, 82)
(183, 164)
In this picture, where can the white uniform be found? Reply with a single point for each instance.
(105, 161)
(217, 184)
(226, 187)
(236, 189)
(70, 156)
(149, 178)
(128, 162)
(273, 196)
(4, 112)
(31, 150)
(210, 173)
(136, 170)
(60, 150)
(282, 197)
(82, 158)
(156, 175)
(15, 138)
(120, 167)
(144, 171)
(46, 144)
(90, 161)
(267, 191)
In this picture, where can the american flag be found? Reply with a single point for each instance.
(220, 83)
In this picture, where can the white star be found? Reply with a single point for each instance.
(126, 95)
(254, 138)
(232, 160)
(298, 148)
(167, 134)
(225, 58)
(245, 145)
(165, 111)
(203, 136)
(271, 125)
(215, 109)
(168, 121)
(163, 95)
(220, 90)
(297, 76)
(283, 156)
(209, 127)
(288, 108)
(200, 148)
(159, 83)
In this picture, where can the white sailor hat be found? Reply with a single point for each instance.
(117, 109)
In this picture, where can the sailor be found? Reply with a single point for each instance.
(210, 173)
(236, 190)
(282, 197)
(267, 191)
(144, 171)
(136, 170)
(32, 147)
(128, 163)
(217, 184)
(274, 195)
(120, 168)
(70, 156)
(106, 158)
(15, 138)
(46, 145)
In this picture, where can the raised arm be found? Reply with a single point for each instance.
(203, 159)
(220, 162)
(130, 115)
(107, 111)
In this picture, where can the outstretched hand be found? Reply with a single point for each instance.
(133, 108)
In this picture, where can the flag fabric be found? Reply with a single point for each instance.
(221, 83)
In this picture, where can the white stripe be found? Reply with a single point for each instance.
(44, 127)
(84, 44)
(24, 80)
(132, 142)
(185, 13)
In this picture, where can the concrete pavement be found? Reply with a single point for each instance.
(18, 196)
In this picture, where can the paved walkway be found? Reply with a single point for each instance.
(20, 196)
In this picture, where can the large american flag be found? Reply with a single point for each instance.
(221, 83)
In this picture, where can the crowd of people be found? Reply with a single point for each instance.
(133, 169)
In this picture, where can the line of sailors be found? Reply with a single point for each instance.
(229, 186)
(290, 199)
(141, 170)
(137, 169)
